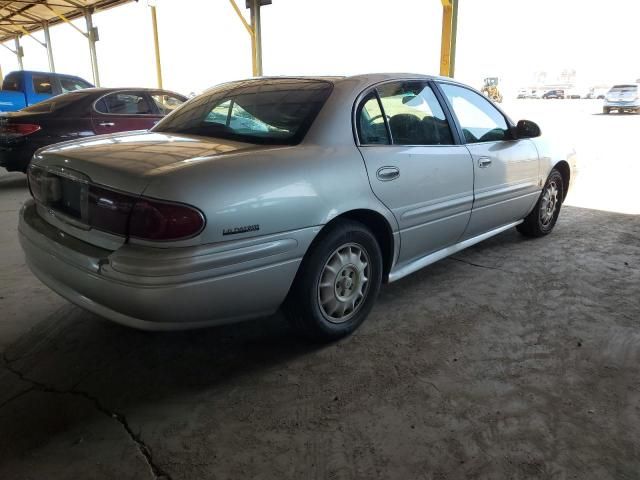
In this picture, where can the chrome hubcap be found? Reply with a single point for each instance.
(549, 203)
(344, 283)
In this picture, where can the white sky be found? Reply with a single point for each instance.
(203, 43)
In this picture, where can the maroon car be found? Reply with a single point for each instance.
(79, 114)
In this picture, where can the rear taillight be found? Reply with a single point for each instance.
(142, 218)
(109, 210)
(16, 130)
(156, 220)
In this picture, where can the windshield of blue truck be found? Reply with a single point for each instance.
(274, 111)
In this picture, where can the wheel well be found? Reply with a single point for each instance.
(380, 229)
(563, 167)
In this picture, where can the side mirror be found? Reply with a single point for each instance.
(527, 129)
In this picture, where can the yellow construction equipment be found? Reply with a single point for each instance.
(490, 89)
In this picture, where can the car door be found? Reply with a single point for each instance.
(415, 166)
(506, 170)
(123, 111)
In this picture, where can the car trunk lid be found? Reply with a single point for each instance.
(72, 181)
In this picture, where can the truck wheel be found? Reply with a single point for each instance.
(337, 282)
(544, 215)
(605, 110)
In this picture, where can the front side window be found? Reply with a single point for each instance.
(372, 129)
(120, 103)
(166, 102)
(480, 121)
(70, 84)
(277, 111)
(414, 114)
(42, 84)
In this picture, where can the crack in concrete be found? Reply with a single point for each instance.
(16, 396)
(157, 472)
(489, 267)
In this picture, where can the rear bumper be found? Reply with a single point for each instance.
(165, 289)
(625, 105)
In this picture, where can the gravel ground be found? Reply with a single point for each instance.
(516, 358)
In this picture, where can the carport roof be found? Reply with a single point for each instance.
(20, 16)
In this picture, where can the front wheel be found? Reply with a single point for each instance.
(544, 215)
(605, 110)
(337, 283)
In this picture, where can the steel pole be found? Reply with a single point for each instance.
(256, 38)
(92, 47)
(47, 41)
(19, 52)
(156, 45)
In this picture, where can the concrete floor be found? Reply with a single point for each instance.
(515, 359)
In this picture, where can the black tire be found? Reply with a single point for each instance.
(605, 110)
(539, 222)
(303, 306)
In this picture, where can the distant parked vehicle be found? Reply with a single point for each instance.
(78, 115)
(24, 88)
(622, 98)
(522, 93)
(554, 94)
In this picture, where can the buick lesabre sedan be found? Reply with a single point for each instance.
(306, 193)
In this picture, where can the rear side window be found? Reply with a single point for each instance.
(479, 119)
(414, 114)
(70, 84)
(12, 82)
(166, 102)
(121, 103)
(372, 129)
(42, 84)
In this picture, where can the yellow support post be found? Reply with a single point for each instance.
(156, 45)
(250, 30)
(255, 31)
(448, 42)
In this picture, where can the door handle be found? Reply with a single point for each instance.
(387, 173)
(106, 124)
(484, 162)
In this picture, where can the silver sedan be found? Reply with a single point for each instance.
(305, 193)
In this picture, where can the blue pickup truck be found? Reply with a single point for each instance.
(23, 88)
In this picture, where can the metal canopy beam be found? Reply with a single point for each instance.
(449, 34)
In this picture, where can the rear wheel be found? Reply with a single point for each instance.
(605, 110)
(544, 215)
(337, 283)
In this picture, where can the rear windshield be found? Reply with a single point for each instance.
(274, 111)
(55, 103)
(624, 88)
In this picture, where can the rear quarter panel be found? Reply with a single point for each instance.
(269, 190)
